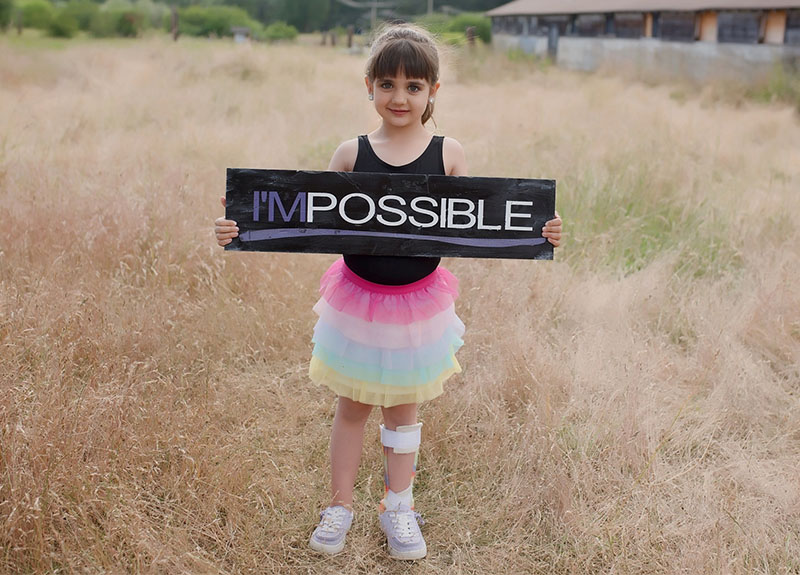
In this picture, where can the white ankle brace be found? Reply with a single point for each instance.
(393, 500)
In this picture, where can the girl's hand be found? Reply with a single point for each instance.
(225, 229)
(552, 231)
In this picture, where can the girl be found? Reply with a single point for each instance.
(387, 331)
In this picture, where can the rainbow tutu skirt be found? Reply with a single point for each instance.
(385, 345)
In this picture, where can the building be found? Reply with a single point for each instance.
(703, 37)
(241, 34)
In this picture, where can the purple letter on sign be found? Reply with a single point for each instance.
(300, 200)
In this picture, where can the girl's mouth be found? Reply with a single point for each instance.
(399, 112)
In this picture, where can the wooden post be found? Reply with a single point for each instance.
(350, 31)
(333, 37)
(175, 32)
(471, 36)
(324, 38)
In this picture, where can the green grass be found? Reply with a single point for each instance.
(632, 216)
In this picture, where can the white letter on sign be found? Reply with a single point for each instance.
(382, 205)
(467, 212)
(419, 210)
(311, 207)
(509, 214)
(481, 225)
(362, 220)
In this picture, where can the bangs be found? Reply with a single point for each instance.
(402, 56)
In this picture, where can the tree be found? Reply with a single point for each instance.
(6, 9)
(306, 15)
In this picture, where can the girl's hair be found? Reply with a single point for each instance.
(406, 49)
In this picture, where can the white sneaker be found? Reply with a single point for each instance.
(333, 526)
(403, 536)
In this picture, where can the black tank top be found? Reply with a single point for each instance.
(396, 270)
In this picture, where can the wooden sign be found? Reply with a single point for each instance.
(389, 214)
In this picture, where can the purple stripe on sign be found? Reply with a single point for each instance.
(258, 235)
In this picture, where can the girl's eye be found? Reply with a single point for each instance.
(413, 88)
(386, 86)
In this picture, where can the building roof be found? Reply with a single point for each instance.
(542, 7)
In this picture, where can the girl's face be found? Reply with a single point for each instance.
(401, 101)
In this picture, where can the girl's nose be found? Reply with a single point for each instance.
(398, 97)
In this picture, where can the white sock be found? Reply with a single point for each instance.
(393, 500)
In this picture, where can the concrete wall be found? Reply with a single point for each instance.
(647, 57)
(536, 45)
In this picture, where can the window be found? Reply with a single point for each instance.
(676, 26)
(590, 25)
(629, 25)
(533, 25)
(741, 27)
(560, 22)
(793, 27)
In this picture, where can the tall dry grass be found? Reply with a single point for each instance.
(631, 407)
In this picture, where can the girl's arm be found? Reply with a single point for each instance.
(455, 162)
(344, 158)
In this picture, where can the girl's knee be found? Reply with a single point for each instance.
(405, 414)
(351, 411)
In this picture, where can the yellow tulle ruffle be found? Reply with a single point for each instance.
(377, 393)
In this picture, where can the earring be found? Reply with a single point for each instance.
(371, 97)
(430, 100)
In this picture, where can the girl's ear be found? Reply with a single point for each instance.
(435, 89)
(369, 85)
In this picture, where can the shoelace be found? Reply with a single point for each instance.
(404, 524)
(331, 520)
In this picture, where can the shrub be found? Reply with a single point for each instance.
(64, 25)
(206, 20)
(482, 24)
(280, 31)
(103, 25)
(447, 28)
(154, 12)
(82, 11)
(436, 24)
(453, 38)
(125, 23)
(117, 5)
(6, 10)
(37, 14)
(130, 23)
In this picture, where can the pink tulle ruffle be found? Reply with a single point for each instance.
(356, 297)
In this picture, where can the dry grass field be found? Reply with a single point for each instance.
(632, 407)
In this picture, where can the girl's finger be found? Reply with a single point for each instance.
(222, 236)
(222, 201)
(224, 242)
(225, 229)
(223, 222)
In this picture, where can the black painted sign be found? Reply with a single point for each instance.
(389, 214)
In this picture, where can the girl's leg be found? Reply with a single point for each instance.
(398, 519)
(399, 466)
(347, 438)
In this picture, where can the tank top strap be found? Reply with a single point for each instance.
(435, 156)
